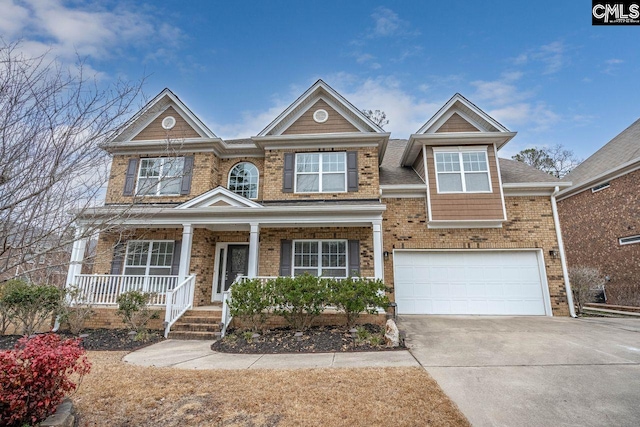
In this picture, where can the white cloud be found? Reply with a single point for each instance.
(612, 65)
(552, 56)
(89, 31)
(512, 105)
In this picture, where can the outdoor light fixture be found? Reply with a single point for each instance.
(553, 253)
(385, 254)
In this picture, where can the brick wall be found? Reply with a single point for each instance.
(368, 178)
(530, 225)
(592, 223)
(269, 263)
(106, 317)
(204, 178)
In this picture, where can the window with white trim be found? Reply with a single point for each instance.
(321, 172)
(462, 172)
(629, 240)
(243, 180)
(160, 176)
(326, 258)
(149, 257)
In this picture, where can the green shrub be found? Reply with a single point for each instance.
(299, 299)
(133, 308)
(250, 300)
(29, 306)
(75, 310)
(354, 296)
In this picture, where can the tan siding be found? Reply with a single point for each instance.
(455, 123)
(530, 225)
(466, 206)
(418, 166)
(335, 123)
(155, 131)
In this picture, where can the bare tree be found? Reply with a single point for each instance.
(52, 120)
(557, 160)
(585, 282)
(378, 117)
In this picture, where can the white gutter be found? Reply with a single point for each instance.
(565, 272)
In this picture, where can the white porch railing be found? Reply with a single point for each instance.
(179, 300)
(104, 289)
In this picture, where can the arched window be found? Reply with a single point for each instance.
(243, 180)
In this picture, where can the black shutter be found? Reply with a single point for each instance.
(175, 261)
(285, 257)
(118, 259)
(354, 258)
(185, 186)
(352, 171)
(287, 179)
(130, 178)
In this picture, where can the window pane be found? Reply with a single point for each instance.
(474, 162)
(447, 162)
(243, 180)
(135, 271)
(137, 254)
(173, 166)
(150, 167)
(305, 254)
(301, 271)
(476, 181)
(334, 254)
(449, 182)
(333, 182)
(308, 162)
(162, 254)
(307, 183)
(333, 162)
(170, 186)
(159, 271)
(147, 186)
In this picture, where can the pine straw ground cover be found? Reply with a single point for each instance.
(118, 394)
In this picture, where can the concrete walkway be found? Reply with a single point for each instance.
(533, 371)
(198, 355)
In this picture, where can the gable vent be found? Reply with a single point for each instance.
(320, 116)
(168, 122)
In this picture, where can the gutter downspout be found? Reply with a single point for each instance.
(565, 272)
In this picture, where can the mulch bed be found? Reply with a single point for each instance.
(96, 339)
(315, 340)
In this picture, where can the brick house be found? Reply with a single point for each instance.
(324, 190)
(600, 213)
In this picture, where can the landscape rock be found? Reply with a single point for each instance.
(391, 334)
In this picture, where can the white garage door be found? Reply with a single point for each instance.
(469, 282)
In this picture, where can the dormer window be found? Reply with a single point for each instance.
(465, 170)
(243, 180)
(160, 176)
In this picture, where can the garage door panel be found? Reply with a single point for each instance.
(469, 282)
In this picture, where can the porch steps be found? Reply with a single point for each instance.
(197, 325)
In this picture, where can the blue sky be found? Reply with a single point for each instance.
(540, 68)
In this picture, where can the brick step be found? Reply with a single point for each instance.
(193, 335)
(199, 319)
(204, 313)
(195, 327)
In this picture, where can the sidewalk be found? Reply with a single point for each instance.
(198, 355)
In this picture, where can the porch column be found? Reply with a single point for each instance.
(254, 246)
(185, 252)
(77, 255)
(378, 266)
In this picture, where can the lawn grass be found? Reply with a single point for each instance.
(118, 394)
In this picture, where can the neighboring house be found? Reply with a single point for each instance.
(600, 213)
(323, 190)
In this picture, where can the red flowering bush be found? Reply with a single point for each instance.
(36, 375)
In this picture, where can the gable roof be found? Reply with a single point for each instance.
(621, 152)
(468, 110)
(154, 108)
(220, 197)
(320, 90)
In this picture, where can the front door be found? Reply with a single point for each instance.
(232, 259)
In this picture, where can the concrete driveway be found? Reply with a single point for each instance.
(533, 371)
